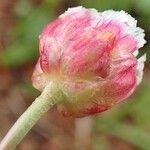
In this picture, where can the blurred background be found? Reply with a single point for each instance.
(124, 127)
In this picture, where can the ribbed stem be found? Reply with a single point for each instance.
(48, 98)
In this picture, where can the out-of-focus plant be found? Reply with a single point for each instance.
(31, 19)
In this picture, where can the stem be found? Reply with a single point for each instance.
(83, 131)
(28, 119)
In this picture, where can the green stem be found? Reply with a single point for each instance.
(48, 98)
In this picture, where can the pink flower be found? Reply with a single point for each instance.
(93, 56)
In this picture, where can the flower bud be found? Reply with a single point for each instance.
(93, 57)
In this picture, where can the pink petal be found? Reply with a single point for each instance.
(121, 81)
(39, 78)
(127, 43)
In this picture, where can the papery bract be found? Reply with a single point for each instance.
(93, 57)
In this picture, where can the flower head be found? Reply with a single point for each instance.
(93, 57)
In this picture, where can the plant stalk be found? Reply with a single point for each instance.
(48, 98)
(83, 133)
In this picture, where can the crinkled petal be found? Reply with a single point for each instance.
(129, 23)
(140, 67)
(121, 81)
(39, 79)
(86, 55)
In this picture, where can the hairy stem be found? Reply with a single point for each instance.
(48, 98)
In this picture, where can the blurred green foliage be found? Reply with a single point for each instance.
(25, 34)
(130, 121)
